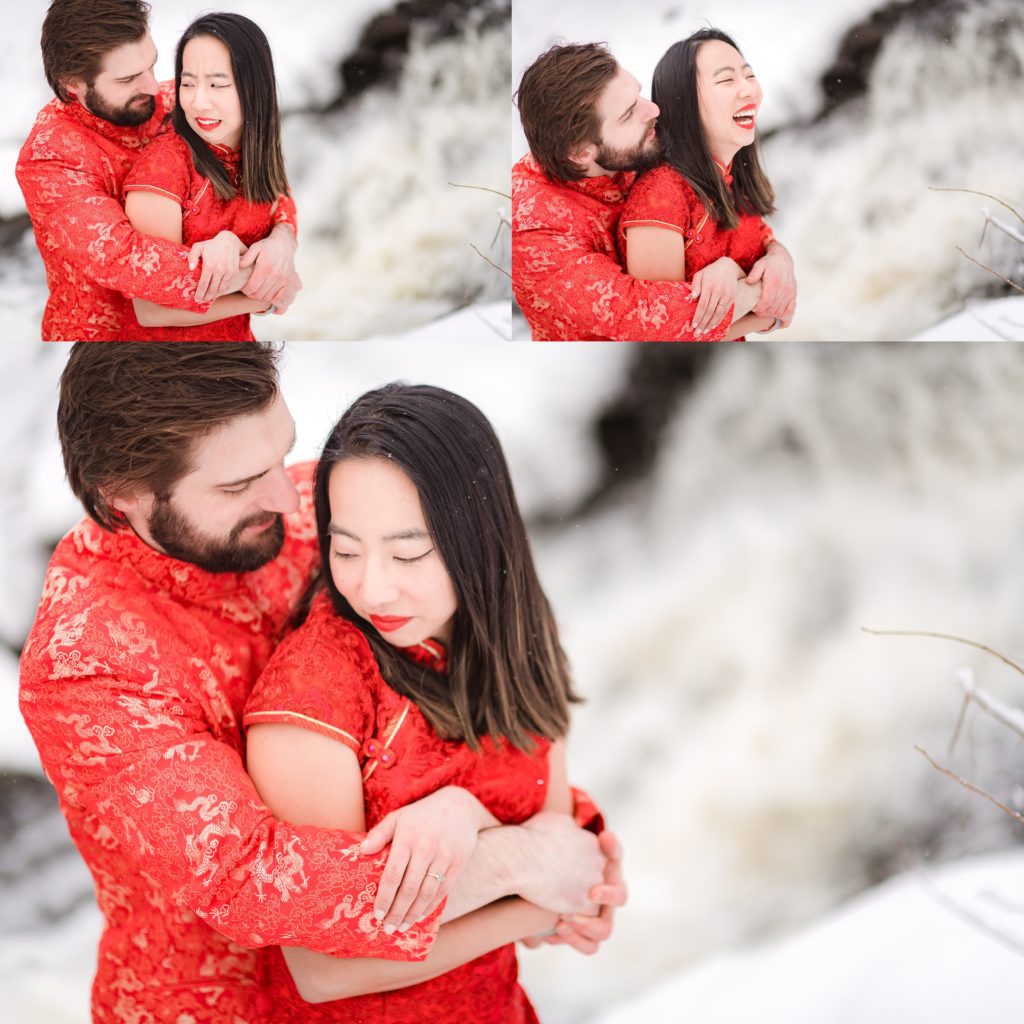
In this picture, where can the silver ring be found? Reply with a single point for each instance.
(439, 875)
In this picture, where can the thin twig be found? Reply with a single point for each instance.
(972, 919)
(944, 636)
(994, 273)
(974, 192)
(492, 263)
(959, 723)
(484, 188)
(1017, 817)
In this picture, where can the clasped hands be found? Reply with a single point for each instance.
(264, 271)
(569, 871)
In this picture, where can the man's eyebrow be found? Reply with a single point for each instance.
(255, 476)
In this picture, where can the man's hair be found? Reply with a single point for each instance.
(684, 143)
(261, 169)
(557, 101)
(129, 415)
(77, 36)
(507, 675)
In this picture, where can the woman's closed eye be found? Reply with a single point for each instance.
(409, 560)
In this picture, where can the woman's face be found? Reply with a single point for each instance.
(383, 559)
(728, 96)
(207, 93)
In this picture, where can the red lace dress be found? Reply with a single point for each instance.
(566, 273)
(663, 198)
(133, 682)
(166, 168)
(324, 678)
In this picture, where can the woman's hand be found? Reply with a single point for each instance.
(431, 842)
(220, 256)
(715, 286)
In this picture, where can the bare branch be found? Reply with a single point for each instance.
(492, 263)
(944, 636)
(974, 192)
(999, 711)
(484, 188)
(972, 919)
(994, 273)
(1017, 817)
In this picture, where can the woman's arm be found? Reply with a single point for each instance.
(160, 216)
(321, 978)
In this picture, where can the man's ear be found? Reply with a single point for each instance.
(127, 504)
(76, 87)
(583, 156)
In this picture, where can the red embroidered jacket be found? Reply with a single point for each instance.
(134, 679)
(71, 170)
(566, 274)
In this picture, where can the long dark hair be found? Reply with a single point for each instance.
(261, 168)
(507, 674)
(674, 89)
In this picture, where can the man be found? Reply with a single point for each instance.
(590, 133)
(157, 615)
(99, 61)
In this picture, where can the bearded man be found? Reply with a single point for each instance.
(99, 59)
(590, 133)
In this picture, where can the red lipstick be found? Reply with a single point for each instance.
(389, 623)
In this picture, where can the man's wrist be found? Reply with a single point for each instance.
(505, 851)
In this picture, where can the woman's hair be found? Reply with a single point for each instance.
(77, 37)
(507, 674)
(261, 165)
(129, 415)
(675, 90)
(557, 101)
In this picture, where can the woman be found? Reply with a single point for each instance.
(429, 660)
(218, 177)
(697, 216)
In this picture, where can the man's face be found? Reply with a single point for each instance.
(124, 90)
(627, 139)
(225, 515)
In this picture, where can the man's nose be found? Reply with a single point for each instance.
(148, 83)
(279, 493)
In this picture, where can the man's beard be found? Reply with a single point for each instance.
(127, 116)
(641, 157)
(178, 538)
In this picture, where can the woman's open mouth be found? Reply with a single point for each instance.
(745, 117)
(207, 124)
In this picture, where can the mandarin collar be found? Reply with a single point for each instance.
(431, 653)
(609, 188)
(181, 580)
(726, 172)
(134, 137)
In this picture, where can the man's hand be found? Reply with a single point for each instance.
(715, 286)
(565, 863)
(286, 296)
(586, 932)
(775, 272)
(433, 836)
(220, 257)
(273, 262)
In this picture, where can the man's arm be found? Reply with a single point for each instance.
(775, 272)
(568, 290)
(73, 212)
(176, 804)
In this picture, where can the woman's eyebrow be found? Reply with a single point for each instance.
(718, 71)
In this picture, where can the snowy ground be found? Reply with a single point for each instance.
(875, 250)
(751, 745)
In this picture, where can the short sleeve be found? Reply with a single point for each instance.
(320, 678)
(660, 199)
(164, 167)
